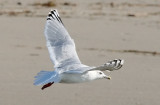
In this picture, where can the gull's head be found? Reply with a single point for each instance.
(98, 75)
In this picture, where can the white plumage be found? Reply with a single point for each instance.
(67, 65)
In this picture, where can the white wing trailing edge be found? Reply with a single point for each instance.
(60, 45)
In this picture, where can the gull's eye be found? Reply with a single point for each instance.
(100, 72)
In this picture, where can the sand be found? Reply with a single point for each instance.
(102, 31)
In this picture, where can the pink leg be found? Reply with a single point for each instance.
(47, 85)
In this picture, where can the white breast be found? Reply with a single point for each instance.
(77, 78)
(72, 78)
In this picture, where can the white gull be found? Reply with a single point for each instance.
(67, 66)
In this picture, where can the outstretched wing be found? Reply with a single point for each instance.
(60, 45)
(110, 66)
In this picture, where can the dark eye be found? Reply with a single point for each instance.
(100, 72)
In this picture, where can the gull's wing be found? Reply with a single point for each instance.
(60, 45)
(110, 66)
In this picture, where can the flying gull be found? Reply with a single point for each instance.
(67, 65)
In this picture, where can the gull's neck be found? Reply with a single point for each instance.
(91, 75)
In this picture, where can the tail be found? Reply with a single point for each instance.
(44, 77)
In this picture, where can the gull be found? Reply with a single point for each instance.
(67, 65)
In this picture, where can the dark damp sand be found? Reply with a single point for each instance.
(23, 53)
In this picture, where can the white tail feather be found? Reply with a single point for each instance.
(44, 77)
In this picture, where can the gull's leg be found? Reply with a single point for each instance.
(47, 85)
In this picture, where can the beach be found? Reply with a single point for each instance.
(102, 31)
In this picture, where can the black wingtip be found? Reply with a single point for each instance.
(53, 14)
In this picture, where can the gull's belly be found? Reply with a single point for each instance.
(73, 78)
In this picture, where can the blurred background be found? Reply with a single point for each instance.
(102, 30)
